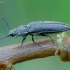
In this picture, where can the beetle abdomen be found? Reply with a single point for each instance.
(47, 27)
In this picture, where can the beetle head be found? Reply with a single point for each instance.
(12, 33)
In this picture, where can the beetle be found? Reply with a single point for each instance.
(37, 28)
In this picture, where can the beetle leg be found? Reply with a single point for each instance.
(50, 38)
(23, 39)
(33, 39)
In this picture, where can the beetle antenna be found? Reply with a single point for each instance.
(6, 23)
(4, 37)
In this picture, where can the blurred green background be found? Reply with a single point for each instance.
(21, 12)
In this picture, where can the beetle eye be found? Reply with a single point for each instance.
(12, 35)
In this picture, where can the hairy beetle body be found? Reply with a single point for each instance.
(37, 28)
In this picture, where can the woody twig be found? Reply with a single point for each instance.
(13, 54)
